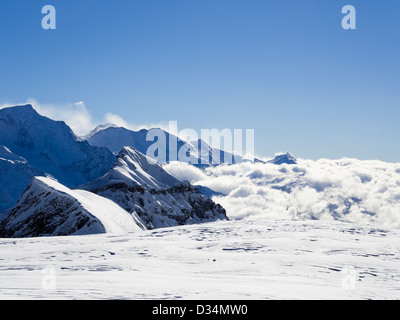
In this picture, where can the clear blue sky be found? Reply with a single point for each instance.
(283, 67)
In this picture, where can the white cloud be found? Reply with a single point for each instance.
(185, 172)
(367, 192)
(116, 119)
(75, 115)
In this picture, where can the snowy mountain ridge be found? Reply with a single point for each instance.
(48, 208)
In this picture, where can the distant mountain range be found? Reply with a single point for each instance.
(55, 183)
(199, 152)
(115, 138)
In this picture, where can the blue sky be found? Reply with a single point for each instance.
(285, 68)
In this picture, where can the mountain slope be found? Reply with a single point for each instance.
(139, 184)
(52, 147)
(15, 176)
(48, 208)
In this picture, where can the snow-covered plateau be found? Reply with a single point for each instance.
(246, 259)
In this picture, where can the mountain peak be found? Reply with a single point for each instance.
(24, 109)
(283, 158)
(99, 128)
(137, 155)
(27, 106)
(127, 151)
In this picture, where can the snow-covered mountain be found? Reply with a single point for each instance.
(115, 138)
(52, 147)
(139, 184)
(15, 176)
(283, 158)
(135, 169)
(48, 208)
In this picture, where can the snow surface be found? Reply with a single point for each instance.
(257, 259)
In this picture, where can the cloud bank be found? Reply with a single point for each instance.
(365, 192)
